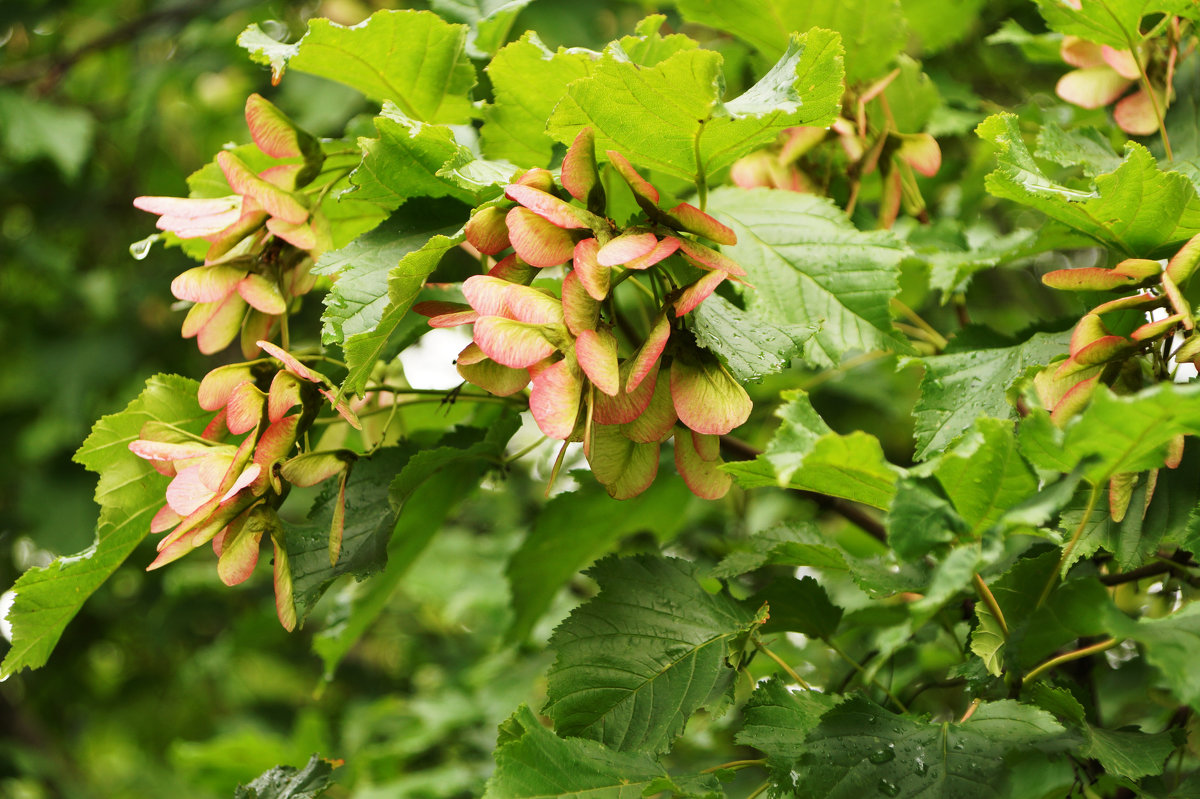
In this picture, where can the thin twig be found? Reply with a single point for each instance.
(1104, 645)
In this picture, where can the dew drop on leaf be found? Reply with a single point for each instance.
(883, 755)
(140, 249)
(889, 788)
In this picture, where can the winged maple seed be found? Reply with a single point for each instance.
(593, 375)
(227, 493)
(263, 237)
(1100, 357)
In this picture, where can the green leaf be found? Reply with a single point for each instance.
(696, 133)
(534, 763)
(1115, 434)
(1137, 209)
(811, 266)
(859, 749)
(528, 80)
(643, 655)
(1129, 753)
(920, 519)
(266, 50)
(985, 474)
(490, 21)
(958, 388)
(799, 606)
(404, 282)
(411, 58)
(1171, 644)
(873, 30)
(1086, 148)
(572, 531)
(129, 493)
(805, 454)
(369, 522)
(356, 301)
(1116, 23)
(430, 485)
(912, 97)
(778, 720)
(287, 782)
(749, 346)
(937, 24)
(406, 161)
(32, 129)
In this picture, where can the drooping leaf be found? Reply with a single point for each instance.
(958, 388)
(806, 454)
(860, 749)
(404, 282)
(697, 134)
(288, 782)
(648, 651)
(1137, 209)
(355, 303)
(129, 493)
(534, 763)
(431, 483)
(810, 266)
(414, 59)
(750, 347)
(873, 31)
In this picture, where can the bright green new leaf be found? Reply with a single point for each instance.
(355, 303)
(749, 346)
(490, 21)
(859, 749)
(1116, 23)
(1086, 148)
(873, 31)
(287, 782)
(414, 59)
(129, 493)
(1137, 209)
(648, 651)
(528, 80)
(576, 528)
(811, 266)
(534, 763)
(405, 160)
(807, 455)
(404, 282)
(697, 133)
(960, 387)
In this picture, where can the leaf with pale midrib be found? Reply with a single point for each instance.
(648, 651)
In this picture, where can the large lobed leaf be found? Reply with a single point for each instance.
(1116, 23)
(129, 493)
(671, 118)
(811, 267)
(648, 651)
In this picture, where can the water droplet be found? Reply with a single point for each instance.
(959, 746)
(889, 788)
(882, 755)
(140, 249)
(922, 767)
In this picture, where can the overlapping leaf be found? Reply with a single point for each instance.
(1137, 209)
(749, 347)
(671, 117)
(806, 454)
